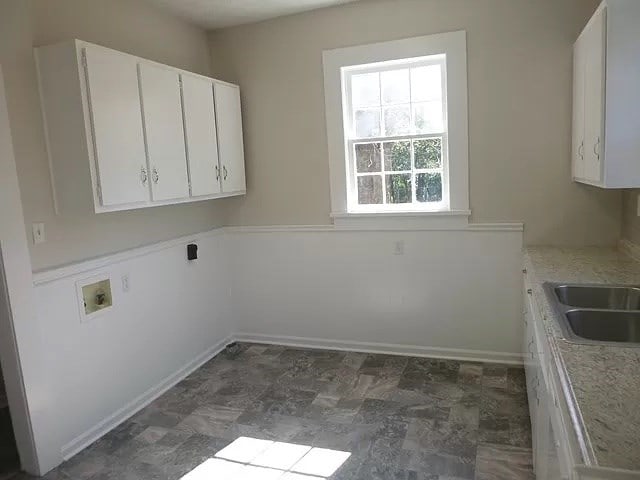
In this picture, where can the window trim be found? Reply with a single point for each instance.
(454, 46)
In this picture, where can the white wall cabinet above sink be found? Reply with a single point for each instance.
(125, 133)
(606, 98)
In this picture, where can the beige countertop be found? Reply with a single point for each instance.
(604, 380)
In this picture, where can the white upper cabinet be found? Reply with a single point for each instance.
(230, 143)
(114, 106)
(577, 151)
(123, 132)
(164, 132)
(593, 67)
(200, 134)
(606, 98)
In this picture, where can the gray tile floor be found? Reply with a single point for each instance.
(400, 418)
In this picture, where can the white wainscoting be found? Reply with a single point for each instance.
(172, 319)
(451, 294)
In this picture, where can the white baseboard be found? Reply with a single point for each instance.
(384, 348)
(94, 433)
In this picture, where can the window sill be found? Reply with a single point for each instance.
(437, 220)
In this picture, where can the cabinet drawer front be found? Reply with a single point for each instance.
(118, 141)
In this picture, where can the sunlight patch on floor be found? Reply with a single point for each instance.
(254, 459)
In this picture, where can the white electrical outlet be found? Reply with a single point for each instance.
(125, 282)
(398, 248)
(38, 233)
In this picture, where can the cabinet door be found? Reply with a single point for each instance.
(530, 360)
(577, 150)
(594, 96)
(200, 135)
(118, 141)
(230, 146)
(164, 132)
(554, 470)
(543, 442)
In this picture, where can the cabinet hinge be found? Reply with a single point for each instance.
(84, 58)
(99, 190)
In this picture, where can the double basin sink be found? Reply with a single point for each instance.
(597, 313)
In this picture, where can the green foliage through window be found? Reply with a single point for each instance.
(428, 153)
(398, 156)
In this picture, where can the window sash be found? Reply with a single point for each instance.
(353, 175)
(351, 139)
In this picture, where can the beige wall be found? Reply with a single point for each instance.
(630, 218)
(126, 25)
(520, 83)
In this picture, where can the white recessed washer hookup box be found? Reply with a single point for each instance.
(95, 296)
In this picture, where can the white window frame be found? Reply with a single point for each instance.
(453, 46)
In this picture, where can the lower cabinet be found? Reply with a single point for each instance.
(550, 457)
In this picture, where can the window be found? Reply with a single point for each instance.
(395, 134)
(397, 127)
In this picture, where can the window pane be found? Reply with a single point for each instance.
(427, 117)
(428, 153)
(368, 157)
(369, 189)
(426, 83)
(395, 86)
(368, 123)
(429, 187)
(397, 120)
(365, 90)
(397, 155)
(399, 188)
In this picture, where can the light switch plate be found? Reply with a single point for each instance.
(38, 233)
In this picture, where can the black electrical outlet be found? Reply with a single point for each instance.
(192, 251)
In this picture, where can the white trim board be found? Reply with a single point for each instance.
(23, 377)
(101, 428)
(57, 273)
(472, 227)
(383, 348)
(41, 277)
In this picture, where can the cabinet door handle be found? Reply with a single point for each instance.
(596, 149)
(155, 176)
(217, 172)
(224, 172)
(143, 175)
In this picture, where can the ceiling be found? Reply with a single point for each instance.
(212, 14)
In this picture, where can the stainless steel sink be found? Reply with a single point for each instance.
(605, 326)
(597, 313)
(601, 297)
